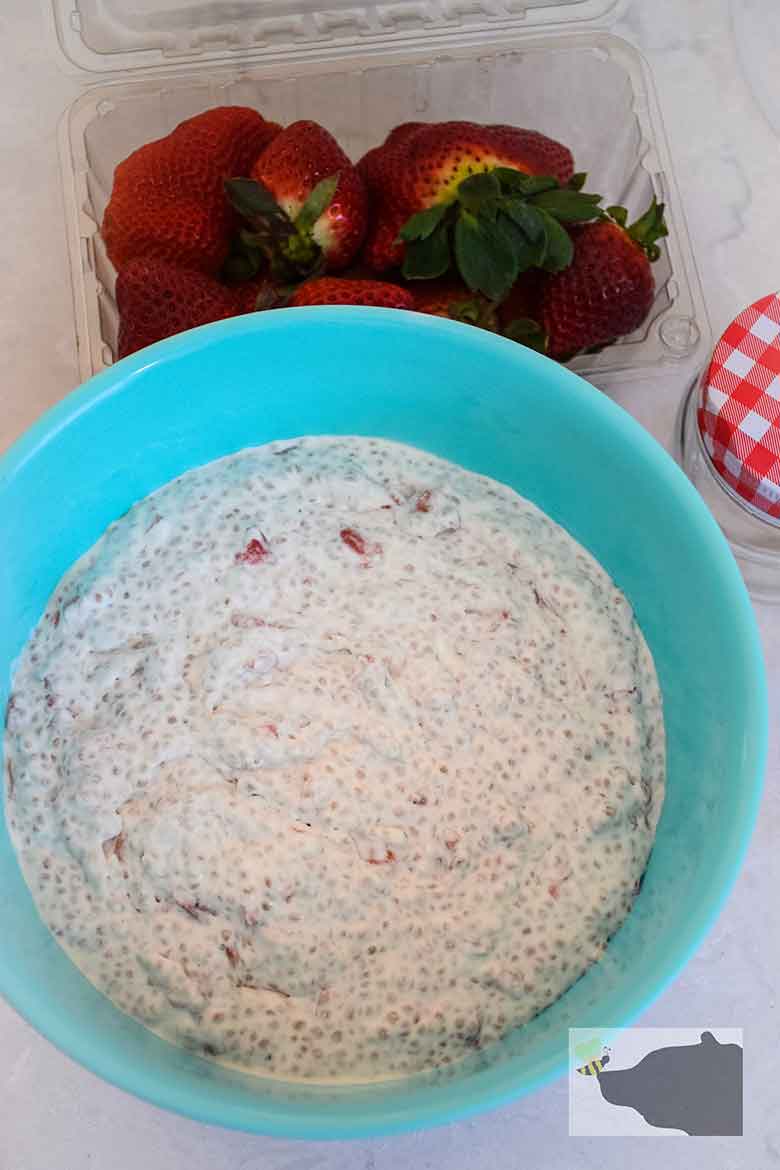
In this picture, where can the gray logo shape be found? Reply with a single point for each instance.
(694, 1087)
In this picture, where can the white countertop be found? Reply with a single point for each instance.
(54, 1115)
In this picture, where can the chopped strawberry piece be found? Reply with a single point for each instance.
(353, 540)
(253, 554)
(388, 857)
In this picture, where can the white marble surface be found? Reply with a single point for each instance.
(723, 134)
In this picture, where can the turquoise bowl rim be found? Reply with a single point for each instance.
(267, 1120)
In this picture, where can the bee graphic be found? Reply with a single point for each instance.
(592, 1068)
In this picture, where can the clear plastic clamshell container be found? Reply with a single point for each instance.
(360, 69)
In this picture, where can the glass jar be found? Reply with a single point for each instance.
(753, 535)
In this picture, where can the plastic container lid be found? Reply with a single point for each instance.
(739, 407)
(114, 36)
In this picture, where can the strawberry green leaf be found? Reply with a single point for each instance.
(519, 183)
(469, 312)
(485, 255)
(290, 265)
(648, 228)
(529, 253)
(319, 200)
(252, 239)
(478, 191)
(568, 206)
(527, 332)
(509, 179)
(428, 258)
(420, 225)
(577, 181)
(253, 200)
(525, 216)
(241, 266)
(560, 249)
(619, 214)
(478, 311)
(301, 252)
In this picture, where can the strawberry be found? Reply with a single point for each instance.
(333, 290)
(306, 204)
(156, 299)
(422, 165)
(168, 201)
(375, 172)
(451, 298)
(259, 293)
(609, 288)
(523, 299)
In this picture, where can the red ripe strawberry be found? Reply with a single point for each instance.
(524, 299)
(372, 164)
(305, 201)
(382, 249)
(168, 200)
(451, 298)
(156, 299)
(402, 133)
(252, 295)
(420, 166)
(332, 290)
(608, 289)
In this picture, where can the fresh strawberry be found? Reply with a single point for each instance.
(451, 298)
(422, 165)
(609, 288)
(383, 249)
(305, 202)
(156, 299)
(168, 201)
(334, 290)
(519, 314)
(524, 299)
(259, 293)
(373, 165)
(402, 133)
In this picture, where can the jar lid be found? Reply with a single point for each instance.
(739, 406)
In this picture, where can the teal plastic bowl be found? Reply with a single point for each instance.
(496, 408)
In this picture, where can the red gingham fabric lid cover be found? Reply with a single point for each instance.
(739, 406)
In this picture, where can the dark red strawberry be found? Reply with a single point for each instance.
(514, 317)
(382, 249)
(451, 298)
(168, 201)
(421, 165)
(305, 202)
(259, 293)
(524, 299)
(334, 290)
(156, 299)
(609, 288)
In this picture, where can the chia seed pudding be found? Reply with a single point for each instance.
(333, 760)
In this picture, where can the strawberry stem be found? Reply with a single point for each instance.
(527, 332)
(650, 227)
(287, 247)
(499, 224)
(318, 202)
